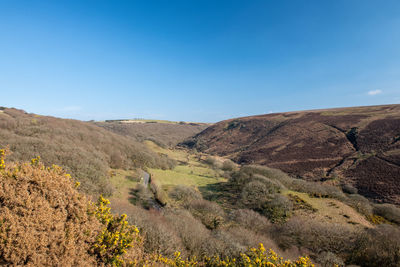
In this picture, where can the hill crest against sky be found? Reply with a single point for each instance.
(359, 146)
(200, 61)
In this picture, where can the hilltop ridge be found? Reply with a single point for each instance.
(358, 146)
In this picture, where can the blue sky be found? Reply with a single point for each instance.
(196, 60)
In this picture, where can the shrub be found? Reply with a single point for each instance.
(360, 204)
(378, 246)
(237, 240)
(278, 209)
(250, 220)
(272, 185)
(209, 213)
(116, 237)
(158, 192)
(329, 259)
(41, 225)
(158, 234)
(212, 162)
(239, 179)
(349, 189)
(195, 237)
(259, 257)
(255, 194)
(228, 165)
(388, 211)
(184, 194)
(267, 172)
(315, 236)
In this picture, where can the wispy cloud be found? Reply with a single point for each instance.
(375, 92)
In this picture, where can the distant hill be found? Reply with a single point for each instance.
(164, 133)
(82, 148)
(359, 146)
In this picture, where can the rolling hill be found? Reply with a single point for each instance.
(164, 133)
(357, 146)
(85, 150)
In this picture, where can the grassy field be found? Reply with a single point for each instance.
(190, 170)
(123, 181)
(329, 210)
(186, 175)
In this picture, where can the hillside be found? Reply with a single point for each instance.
(164, 133)
(82, 148)
(45, 221)
(354, 146)
(210, 206)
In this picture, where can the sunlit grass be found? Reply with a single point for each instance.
(123, 181)
(186, 175)
(332, 210)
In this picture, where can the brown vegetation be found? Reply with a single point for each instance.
(83, 149)
(163, 134)
(41, 225)
(44, 221)
(359, 145)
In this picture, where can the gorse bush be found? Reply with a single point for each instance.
(259, 257)
(45, 221)
(116, 237)
(41, 225)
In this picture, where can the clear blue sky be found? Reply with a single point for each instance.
(196, 60)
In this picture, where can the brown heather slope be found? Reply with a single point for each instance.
(358, 146)
(163, 133)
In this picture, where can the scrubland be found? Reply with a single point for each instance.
(83, 149)
(224, 209)
(41, 225)
(196, 209)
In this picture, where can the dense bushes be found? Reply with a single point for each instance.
(378, 247)
(312, 188)
(315, 236)
(250, 220)
(209, 213)
(163, 134)
(83, 149)
(41, 225)
(184, 194)
(159, 194)
(44, 221)
(388, 211)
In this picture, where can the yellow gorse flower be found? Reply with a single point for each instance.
(117, 235)
(2, 156)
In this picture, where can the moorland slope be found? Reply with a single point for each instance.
(164, 133)
(82, 148)
(357, 146)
